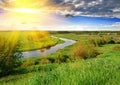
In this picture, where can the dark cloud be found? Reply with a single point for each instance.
(105, 8)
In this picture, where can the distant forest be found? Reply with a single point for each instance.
(89, 32)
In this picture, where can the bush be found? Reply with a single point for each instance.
(29, 63)
(117, 39)
(98, 41)
(83, 50)
(9, 57)
(45, 61)
(116, 48)
(60, 58)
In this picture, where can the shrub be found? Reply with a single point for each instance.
(60, 58)
(83, 50)
(9, 57)
(45, 61)
(51, 59)
(98, 41)
(29, 63)
(116, 48)
(117, 39)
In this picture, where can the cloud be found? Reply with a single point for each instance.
(116, 25)
(61, 27)
(103, 8)
(78, 28)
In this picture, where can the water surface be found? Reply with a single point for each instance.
(53, 49)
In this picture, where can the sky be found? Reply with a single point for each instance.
(61, 15)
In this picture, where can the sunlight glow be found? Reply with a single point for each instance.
(26, 10)
(28, 3)
(29, 15)
(27, 6)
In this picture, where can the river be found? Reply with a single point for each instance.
(53, 49)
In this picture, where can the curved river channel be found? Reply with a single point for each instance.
(53, 49)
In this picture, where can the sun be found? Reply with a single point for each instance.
(25, 10)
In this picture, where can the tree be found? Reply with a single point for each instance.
(9, 55)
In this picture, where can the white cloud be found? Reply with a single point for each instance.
(62, 27)
(93, 3)
(80, 28)
(82, 3)
(116, 10)
(117, 24)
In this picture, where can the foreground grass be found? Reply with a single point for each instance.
(22, 75)
(103, 70)
(99, 71)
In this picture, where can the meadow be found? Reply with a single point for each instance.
(32, 40)
(93, 60)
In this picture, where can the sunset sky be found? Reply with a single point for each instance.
(72, 15)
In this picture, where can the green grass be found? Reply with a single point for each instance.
(104, 69)
(21, 75)
(32, 40)
(107, 48)
(44, 43)
(99, 71)
(77, 37)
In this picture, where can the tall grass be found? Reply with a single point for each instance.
(99, 71)
(116, 48)
(21, 75)
(106, 39)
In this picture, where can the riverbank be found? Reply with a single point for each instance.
(31, 40)
(52, 49)
(31, 46)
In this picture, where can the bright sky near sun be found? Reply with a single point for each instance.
(59, 15)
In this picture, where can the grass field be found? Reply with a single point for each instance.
(104, 69)
(32, 40)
